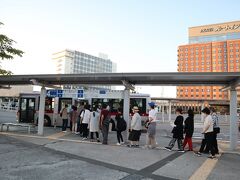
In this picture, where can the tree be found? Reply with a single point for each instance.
(7, 51)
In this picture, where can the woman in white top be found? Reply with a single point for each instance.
(94, 124)
(135, 129)
(208, 131)
(85, 118)
(151, 131)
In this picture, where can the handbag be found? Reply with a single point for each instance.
(216, 130)
(147, 124)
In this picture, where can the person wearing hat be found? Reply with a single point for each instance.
(135, 128)
(177, 132)
(151, 130)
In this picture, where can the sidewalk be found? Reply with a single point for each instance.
(134, 163)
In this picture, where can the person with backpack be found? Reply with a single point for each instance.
(121, 126)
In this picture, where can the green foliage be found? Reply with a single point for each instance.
(7, 51)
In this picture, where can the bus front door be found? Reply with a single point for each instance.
(27, 110)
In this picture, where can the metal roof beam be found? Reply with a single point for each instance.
(232, 85)
(37, 83)
(128, 85)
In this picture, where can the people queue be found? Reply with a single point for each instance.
(84, 120)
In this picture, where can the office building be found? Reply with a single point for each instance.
(211, 48)
(75, 62)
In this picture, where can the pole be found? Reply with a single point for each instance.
(41, 111)
(233, 119)
(126, 107)
(170, 111)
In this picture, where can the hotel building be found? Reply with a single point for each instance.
(211, 48)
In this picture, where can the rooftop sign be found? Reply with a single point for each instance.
(230, 27)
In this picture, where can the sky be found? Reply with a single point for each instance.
(139, 35)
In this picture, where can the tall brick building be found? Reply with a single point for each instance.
(211, 48)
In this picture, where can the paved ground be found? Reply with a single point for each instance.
(58, 155)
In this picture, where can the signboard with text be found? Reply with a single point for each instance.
(66, 93)
(212, 29)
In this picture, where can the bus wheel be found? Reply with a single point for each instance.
(47, 121)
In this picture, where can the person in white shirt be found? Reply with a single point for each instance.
(151, 130)
(208, 131)
(85, 118)
(135, 128)
(94, 124)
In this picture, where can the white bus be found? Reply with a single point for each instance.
(29, 104)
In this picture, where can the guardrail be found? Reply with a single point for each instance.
(164, 117)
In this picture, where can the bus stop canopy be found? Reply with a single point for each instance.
(230, 80)
(171, 79)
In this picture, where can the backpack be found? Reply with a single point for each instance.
(121, 124)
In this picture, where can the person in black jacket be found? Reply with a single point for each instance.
(121, 126)
(188, 130)
(177, 132)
